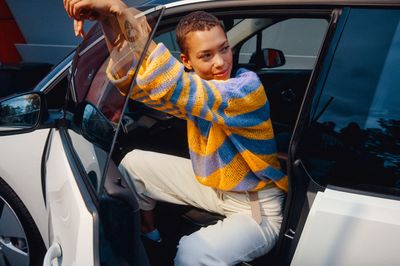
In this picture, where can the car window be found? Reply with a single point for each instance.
(354, 139)
(95, 103)
(298, 38)
(169, 40)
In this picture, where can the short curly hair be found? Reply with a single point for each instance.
(195, 21)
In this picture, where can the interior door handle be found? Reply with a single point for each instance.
(53, 252)
(288, 95)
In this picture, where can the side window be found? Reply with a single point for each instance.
(298, 38)
(169, 40)
(95, 104)
(354, 138)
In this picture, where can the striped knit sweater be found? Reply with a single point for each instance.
(230, 136)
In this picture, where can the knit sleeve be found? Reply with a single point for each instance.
(239, 101)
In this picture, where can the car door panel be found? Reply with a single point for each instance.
(343, 145)
(285, 90)
(348, 229)
(71, 223)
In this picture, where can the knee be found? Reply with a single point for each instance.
(131, 164)
(130, 158)
(195, 252)
(185, 253)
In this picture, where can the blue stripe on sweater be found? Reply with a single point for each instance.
(160, 49)
(204, 166)
(270, 173)
(192, 95)
(204, 127)
(210, 95)
(204, 111)
(249, 119)
(177, 92)
(249, 182)
(244, 83)
(265, 147)
(159, 72)
(166, 85)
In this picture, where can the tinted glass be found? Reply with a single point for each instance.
(298, 38)
(95, 102)
(354, 140)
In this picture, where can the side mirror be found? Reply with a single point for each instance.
(20, 112)
(268, 58)
(97, 128)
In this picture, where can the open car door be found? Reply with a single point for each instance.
(345, 172)
(83, 203)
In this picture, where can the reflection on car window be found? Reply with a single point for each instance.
(99, 104)
(298, 38)
(355, 139)
(19, 112)
(169, 40)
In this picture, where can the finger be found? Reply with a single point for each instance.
(81, 9)
(65, 4)
(78, 28)
(68, 7)
(72, 8)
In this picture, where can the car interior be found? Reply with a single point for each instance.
(285, 82)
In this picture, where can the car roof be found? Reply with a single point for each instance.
(290, 2)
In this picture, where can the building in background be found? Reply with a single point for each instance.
(35, 35)
(40, 30)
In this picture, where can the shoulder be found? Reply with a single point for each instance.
(244, 72)
(246, 78)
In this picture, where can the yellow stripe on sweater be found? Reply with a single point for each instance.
(283, 184)
(247, 104)
(217, 102)
(228, 177)
(258, 162)
(202, 145)
(262, 131)
(200, 98)
(159, 80)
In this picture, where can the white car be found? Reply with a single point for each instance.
(333, 92)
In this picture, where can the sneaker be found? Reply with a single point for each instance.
(153, 236)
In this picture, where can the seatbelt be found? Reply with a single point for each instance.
(255, 206)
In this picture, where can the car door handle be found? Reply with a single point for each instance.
(53, 252)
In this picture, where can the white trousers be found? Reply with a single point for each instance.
(234, 239)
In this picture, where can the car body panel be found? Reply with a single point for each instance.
(70, 222)
(22, 171)
(345, 228)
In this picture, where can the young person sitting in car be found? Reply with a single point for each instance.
(233, 168)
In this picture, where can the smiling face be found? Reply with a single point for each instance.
(208, 54)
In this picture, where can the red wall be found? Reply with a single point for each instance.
(9, 35)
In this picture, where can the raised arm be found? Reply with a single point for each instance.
(126, 30)
(239, 101)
